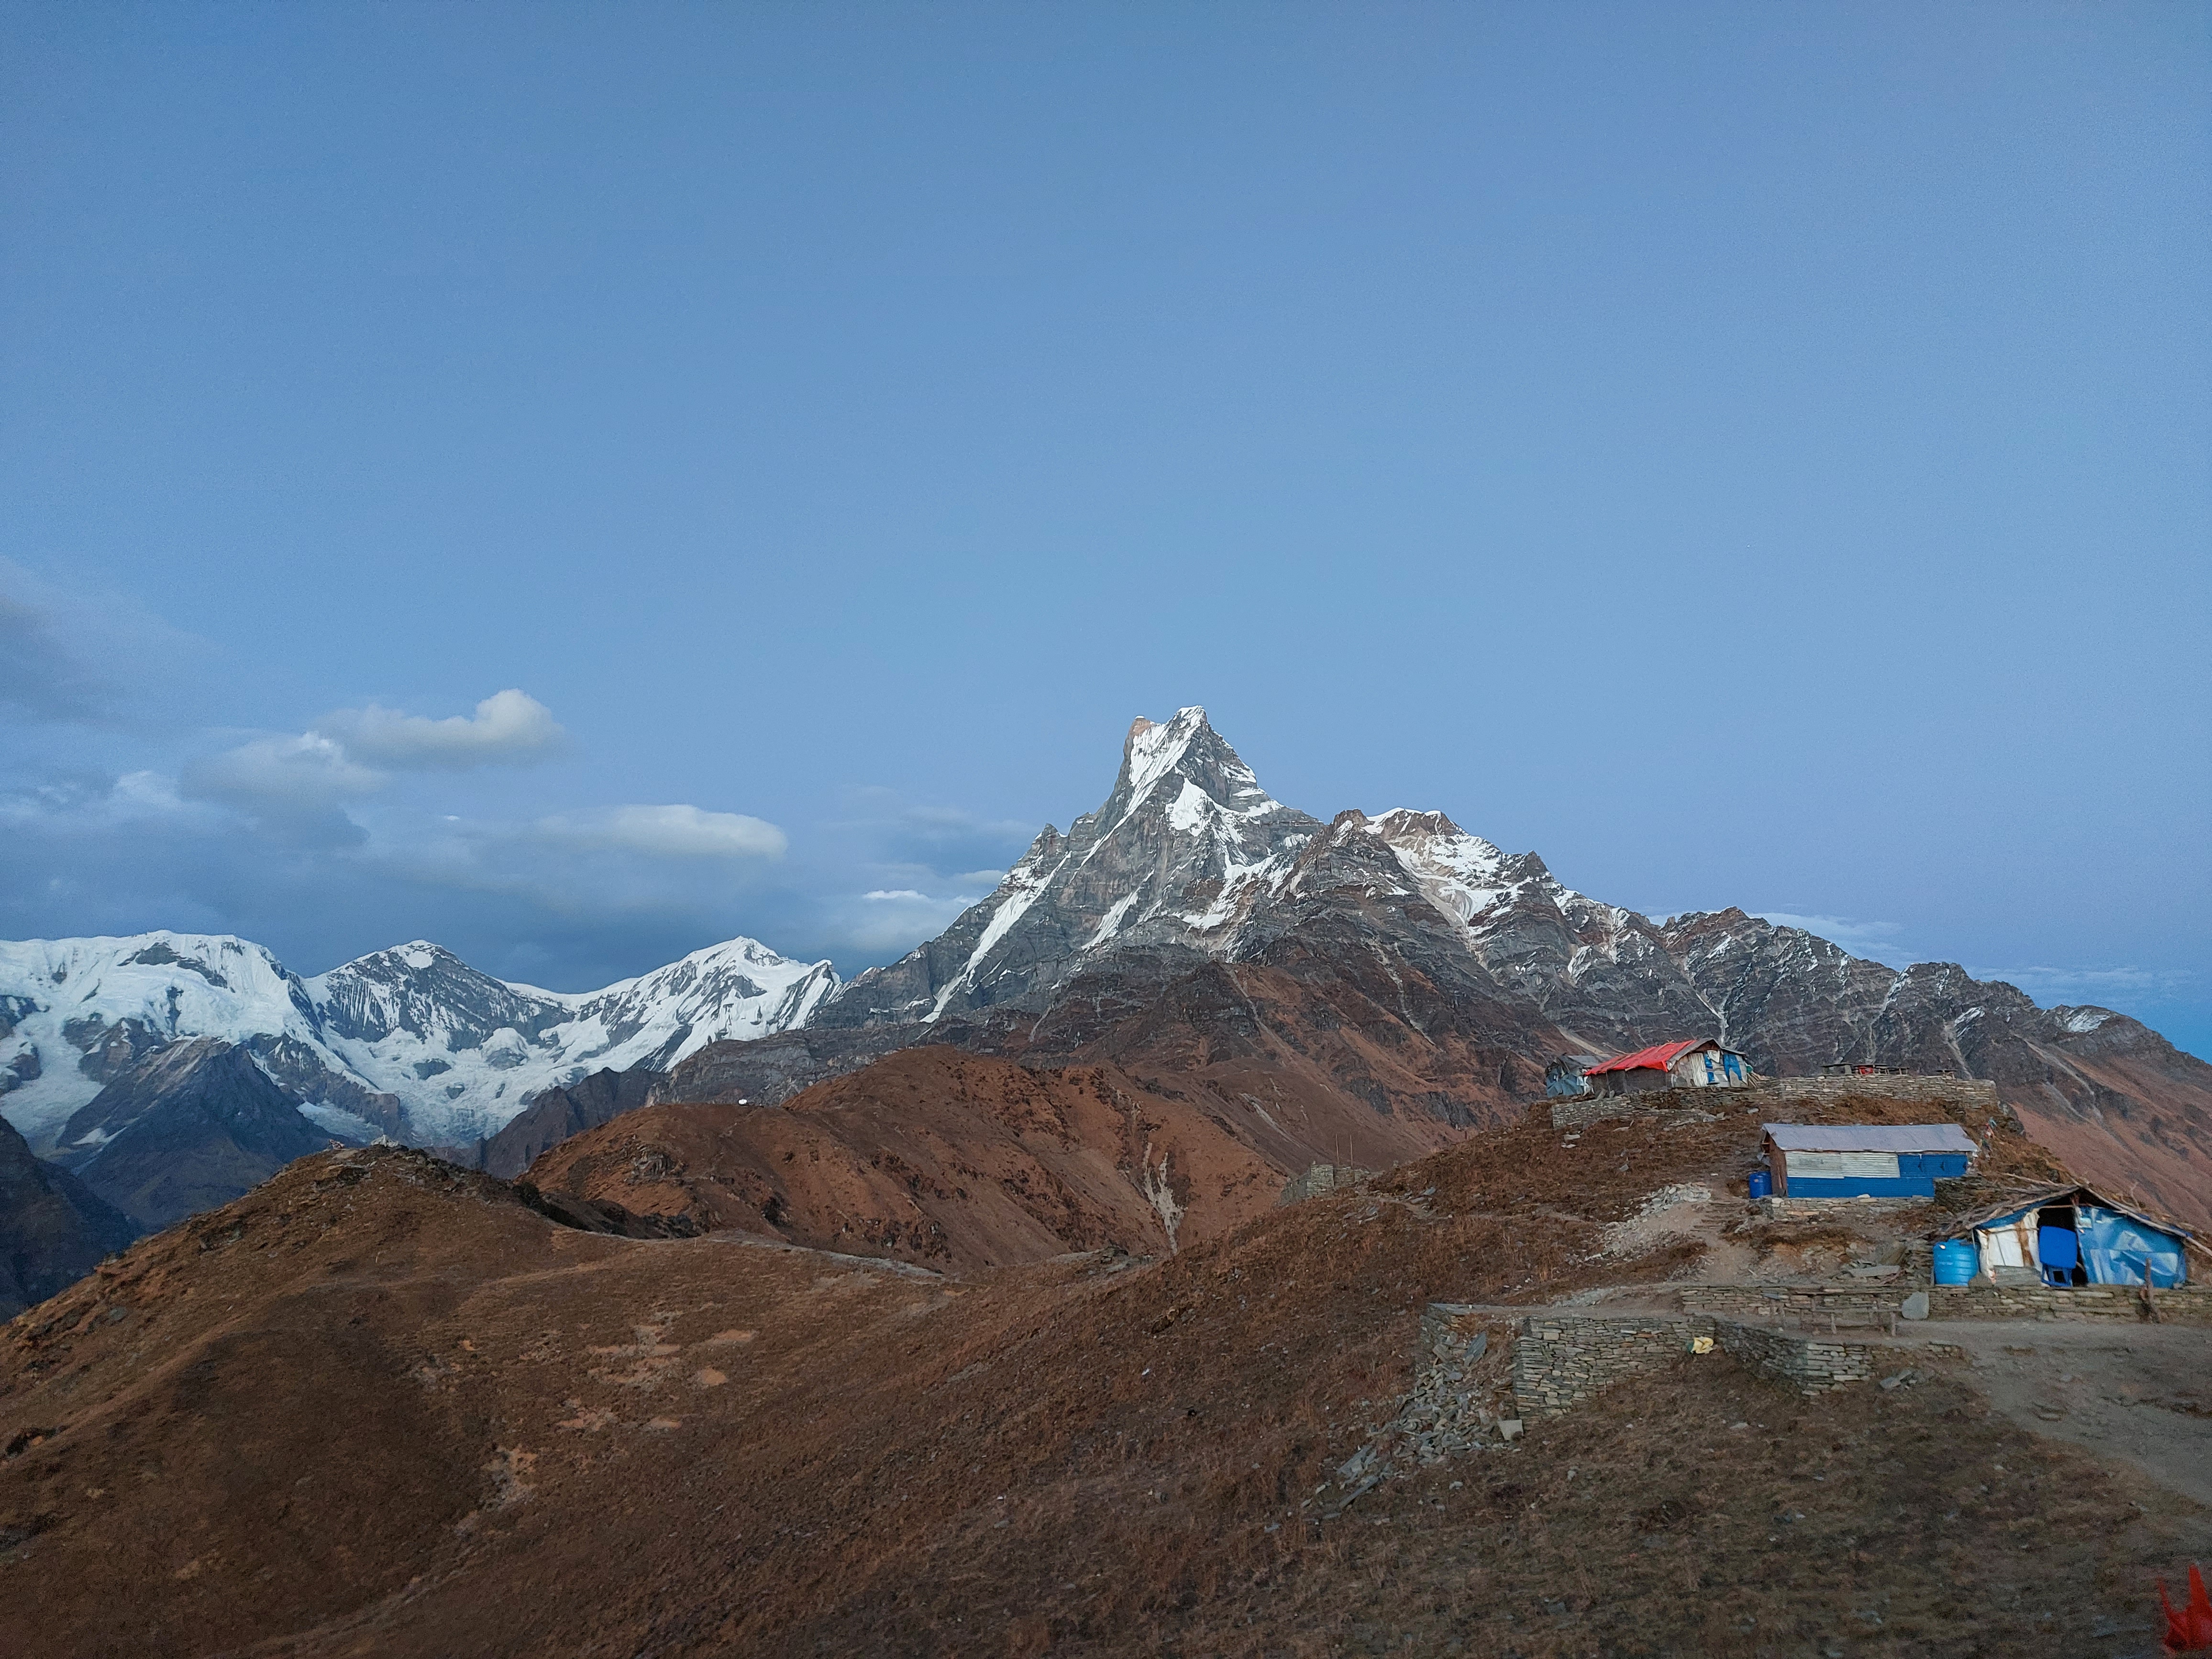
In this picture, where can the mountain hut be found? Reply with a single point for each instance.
(2067, 1235)
(1865, 1160)
(1695, 1064)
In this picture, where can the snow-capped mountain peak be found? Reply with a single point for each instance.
(1185, 843)
(409, 1040)
(1461, 875)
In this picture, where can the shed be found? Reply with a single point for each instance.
(1865, 1160)
(2064, 1236)
(1564, 1078)
(1697, 1063)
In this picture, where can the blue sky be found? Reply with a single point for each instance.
(576, 483)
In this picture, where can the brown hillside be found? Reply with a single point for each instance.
(2127, 1110)
(1321, 1044)
(379, 1407)
(962, 1160)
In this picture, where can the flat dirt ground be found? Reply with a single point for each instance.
(2138, 1393)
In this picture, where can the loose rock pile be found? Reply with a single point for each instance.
(1463, 1389)
(1462, 1402)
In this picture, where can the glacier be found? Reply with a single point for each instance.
(410, 1041)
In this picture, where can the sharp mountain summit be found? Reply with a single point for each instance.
(1362, 990)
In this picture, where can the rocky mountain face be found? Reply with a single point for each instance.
(409, 1041)
(2121, 1104)
(557, 1115)
(1194, 926)
(1184, 847)
(53, 1229)
(1358, 991)
(189, 1127)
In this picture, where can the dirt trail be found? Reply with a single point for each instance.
(2141, 1394)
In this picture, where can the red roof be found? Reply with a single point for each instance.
(1656, 1059)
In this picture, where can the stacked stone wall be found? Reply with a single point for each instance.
(1319, 1178)
(1815, 1305)
(1796, 1305)
(1827, 1209)
(1961, 1091)
(1810, 1367)
(1576, 1110)
(1776, 1094)
(2119, 1304)
(1561, 1360)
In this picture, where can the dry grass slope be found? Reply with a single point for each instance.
(537, 1442)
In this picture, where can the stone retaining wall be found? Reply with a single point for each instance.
(1827, 1209)
(1561, 1360)
(1796, 1304)
(1777, 1095)
(1575, 1110)
(1810, 1367)
(1816, 1304)
(1558, 1361)
(1319, 1178)
(2191, 1305)
(1970, 1091)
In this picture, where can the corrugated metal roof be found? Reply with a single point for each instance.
(1870, 1137)
(1657, 1057)
(2035, 1198)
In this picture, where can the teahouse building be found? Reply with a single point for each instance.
(1695, 1064)
(1865, 1160)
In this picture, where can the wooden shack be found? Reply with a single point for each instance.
(2065, 1236)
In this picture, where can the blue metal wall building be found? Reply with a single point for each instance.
(1870, 1160)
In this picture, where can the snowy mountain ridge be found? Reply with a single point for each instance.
(1185, 846)
(1188, 866)
(408, 1041)
(1190, 853)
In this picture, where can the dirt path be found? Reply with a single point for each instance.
(2141, 1394)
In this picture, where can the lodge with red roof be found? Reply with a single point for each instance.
(1697, 1063)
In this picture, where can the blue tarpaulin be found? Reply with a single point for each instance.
(2115, 1249)
(2109, 1244)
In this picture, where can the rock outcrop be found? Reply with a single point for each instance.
(53, 1229)
(191, 1127)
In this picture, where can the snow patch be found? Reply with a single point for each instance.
(1159, 1193)
(343, 1125)
(1110, 923)
(1025, 884)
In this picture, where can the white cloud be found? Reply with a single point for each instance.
(508, 727)
(91, 802)
(307, 773)
(891, 920)
(677, 831)
(2049, 985)
(1877, 941)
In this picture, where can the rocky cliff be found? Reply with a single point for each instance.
(189, 1127)
(53, 1229)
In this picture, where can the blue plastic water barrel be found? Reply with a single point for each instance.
(1957, 1261)
(1762, 1184)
